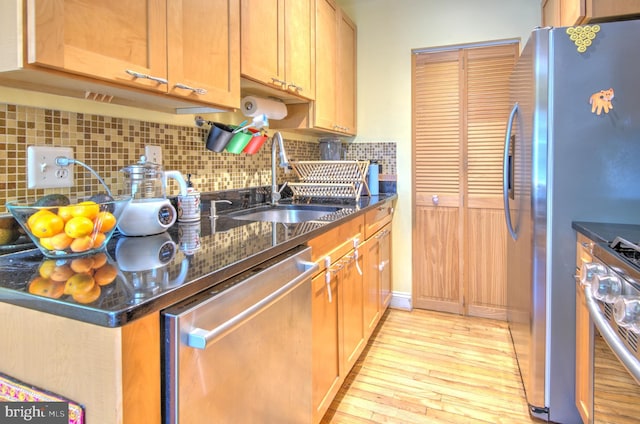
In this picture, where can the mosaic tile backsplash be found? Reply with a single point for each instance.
(108, 144)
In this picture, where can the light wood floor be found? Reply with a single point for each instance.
(431, 367)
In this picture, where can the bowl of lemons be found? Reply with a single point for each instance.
(62, 228)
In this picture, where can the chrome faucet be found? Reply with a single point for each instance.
(213, 212)
(277, 142)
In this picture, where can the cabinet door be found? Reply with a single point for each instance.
(346, 96)
(352, 302)
(326, 342)
(371, 281)
(550, 12)
(101, 39)
(584, 346)
(262, 41)
(299, 47)
(384, 266)
(326, 64)
(203, 49)
(572, 12)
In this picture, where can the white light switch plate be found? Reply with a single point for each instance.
(153, 154)
(42, 171)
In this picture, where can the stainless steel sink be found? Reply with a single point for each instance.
(284, 213)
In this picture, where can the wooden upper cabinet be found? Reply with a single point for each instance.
(334, 69)
(346, 97)
(299, 18)
(335, 107)
(576, 12)
(326, 64)
(188, 49)
(277, 44)
(203, 50)
(101, 39)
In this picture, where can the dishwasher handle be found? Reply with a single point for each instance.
(199, 338)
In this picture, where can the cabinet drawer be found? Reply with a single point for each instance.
(377, 218)
(336, 242)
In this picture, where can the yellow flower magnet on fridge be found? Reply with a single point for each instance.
(583, 36)
(601, 101)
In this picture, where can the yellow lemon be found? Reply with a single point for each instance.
(78, 226)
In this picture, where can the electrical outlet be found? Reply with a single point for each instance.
(153, 154)
(42, 170)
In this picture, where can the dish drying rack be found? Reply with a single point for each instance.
(344, 179)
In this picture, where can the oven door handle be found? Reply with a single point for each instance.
(615, 343)
(199, 338)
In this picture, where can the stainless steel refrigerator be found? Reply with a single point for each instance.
(572, 153)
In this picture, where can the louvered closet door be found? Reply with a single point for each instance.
(460, 108)
(487, 83)
(437, 186)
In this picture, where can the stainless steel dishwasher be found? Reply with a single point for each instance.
(241, 352)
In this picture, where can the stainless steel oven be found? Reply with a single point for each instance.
(611, 285)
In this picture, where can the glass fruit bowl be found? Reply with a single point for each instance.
(68, 230)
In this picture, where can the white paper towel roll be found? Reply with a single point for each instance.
(252, 106)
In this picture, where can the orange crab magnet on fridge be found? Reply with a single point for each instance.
(601, 101)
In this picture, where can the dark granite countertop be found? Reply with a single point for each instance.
(155, 272)
(605, 233)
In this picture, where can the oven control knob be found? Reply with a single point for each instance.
(626, 311)
(606, 288)
(589, 270)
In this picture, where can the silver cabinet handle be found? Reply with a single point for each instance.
(294, 86)
(383, 265)
(356, 253)
(382, 234)
(327, 277)
(200, 91)
(199, 338)
(611, 337)
(279, 81)
(145, 76)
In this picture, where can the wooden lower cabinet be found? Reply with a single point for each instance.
(376, 252)
(350, 294)
(384, 266)
(338, 328)
(371, 279)
(352, 303)
(327, 376)
(113, 372)
(584, 345)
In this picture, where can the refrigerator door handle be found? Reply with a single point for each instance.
(506, 172)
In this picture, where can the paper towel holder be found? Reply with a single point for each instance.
(200, 121)
(275, 99)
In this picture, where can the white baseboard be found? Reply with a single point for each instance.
(400, 300)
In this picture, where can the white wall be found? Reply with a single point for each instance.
(387, 32)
